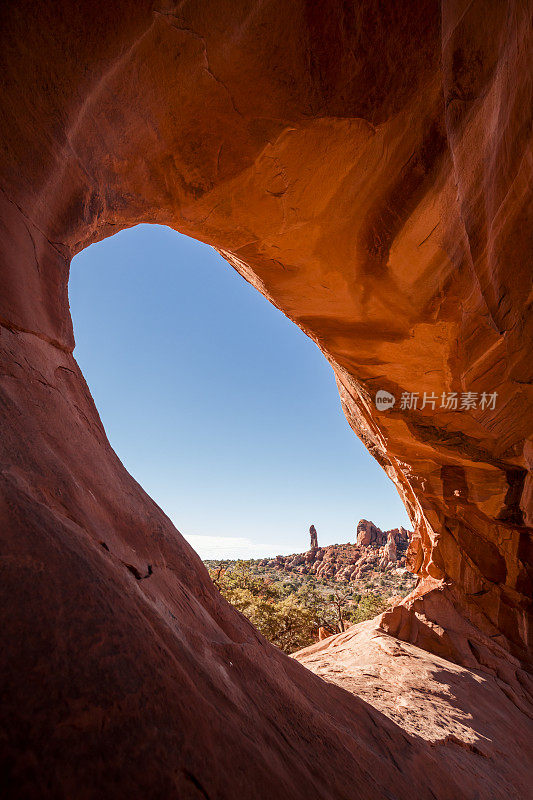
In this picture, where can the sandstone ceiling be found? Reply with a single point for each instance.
(367, 167)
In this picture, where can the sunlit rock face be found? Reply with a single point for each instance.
(368, 171)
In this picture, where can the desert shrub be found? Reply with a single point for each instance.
(369, 606)
(274, 609)
(289, 613)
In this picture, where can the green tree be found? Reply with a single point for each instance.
(276, 613)
(286, 613)
(368, 607)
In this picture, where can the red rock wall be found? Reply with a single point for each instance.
(367, 168)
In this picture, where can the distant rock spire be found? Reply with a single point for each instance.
(314, 537)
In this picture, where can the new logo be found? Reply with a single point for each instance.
(384, 400)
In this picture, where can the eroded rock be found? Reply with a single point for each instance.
(313, 537)
(375, 550)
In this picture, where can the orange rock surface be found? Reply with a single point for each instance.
(368, 168)
(431, 700)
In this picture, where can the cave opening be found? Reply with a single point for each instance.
(229, 416)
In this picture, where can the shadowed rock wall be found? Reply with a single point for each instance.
(368, 170)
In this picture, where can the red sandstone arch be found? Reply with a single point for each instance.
(368, 171)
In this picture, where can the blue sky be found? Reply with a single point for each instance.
(221, 408)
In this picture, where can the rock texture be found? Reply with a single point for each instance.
(433, 703)
(367, 167)
(374, 550)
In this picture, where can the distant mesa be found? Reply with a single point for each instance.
(373, 551)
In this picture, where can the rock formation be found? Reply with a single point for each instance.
(374, 550)
(367, 167)
(367, 534)
(313, 537)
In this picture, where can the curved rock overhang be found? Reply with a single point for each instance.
(370, 174)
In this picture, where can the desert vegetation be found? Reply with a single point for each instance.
(289, 608)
